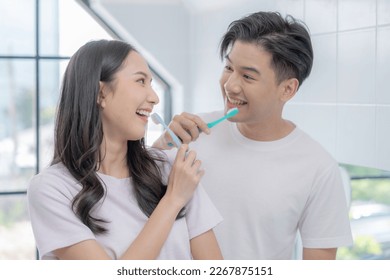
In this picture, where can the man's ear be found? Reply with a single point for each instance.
(289, 88)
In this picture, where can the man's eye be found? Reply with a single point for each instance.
(142, 81)
(228, 68)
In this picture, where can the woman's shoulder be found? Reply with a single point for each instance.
(53, 172)
(53, 179)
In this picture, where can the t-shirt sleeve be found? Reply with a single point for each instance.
(53, 222)
(201, 214)
(325, 222)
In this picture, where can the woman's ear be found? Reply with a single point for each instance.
(101, 95)
(289, 88)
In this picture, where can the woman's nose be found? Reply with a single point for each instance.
(153, 97)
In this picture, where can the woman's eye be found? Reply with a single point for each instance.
(141, 81)
(228, 68)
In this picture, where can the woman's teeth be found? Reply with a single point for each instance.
(143, 113)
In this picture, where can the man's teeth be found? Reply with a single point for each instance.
(143, 113)
(236, 102)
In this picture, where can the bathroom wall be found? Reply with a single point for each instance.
(344, 104)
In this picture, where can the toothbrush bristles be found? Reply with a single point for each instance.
(156, 118)
(232, 112)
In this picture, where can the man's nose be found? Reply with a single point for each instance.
(232, 84)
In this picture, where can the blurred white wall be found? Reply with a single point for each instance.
(344, 104)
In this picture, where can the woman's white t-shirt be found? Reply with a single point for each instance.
(55, 225)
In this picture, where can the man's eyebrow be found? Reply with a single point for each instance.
(246, 68)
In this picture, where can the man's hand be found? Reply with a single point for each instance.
(186, 126)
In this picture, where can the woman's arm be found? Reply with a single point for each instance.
(183, 180)
(205, 247)
(147, 245)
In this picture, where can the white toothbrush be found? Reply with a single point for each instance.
(158, 120)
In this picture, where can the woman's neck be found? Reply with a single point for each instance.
(114, 160)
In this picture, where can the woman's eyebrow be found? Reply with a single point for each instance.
(145, 75)
(141, 73)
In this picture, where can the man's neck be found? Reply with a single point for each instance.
(266, 132)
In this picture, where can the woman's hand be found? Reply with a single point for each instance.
(184, 177)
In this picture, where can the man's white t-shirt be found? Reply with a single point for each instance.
(266, 191)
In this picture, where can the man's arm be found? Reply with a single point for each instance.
(319, 254)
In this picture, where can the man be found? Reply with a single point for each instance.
(267, 177)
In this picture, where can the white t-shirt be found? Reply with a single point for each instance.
(55, 225)
(266, 191)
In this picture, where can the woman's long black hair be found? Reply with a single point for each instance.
(79, 132)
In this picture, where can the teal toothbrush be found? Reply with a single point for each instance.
(229, 114)
(158, 120)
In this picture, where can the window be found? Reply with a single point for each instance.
(369, 214)
(38, 38)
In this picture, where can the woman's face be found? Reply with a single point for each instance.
(128, 101)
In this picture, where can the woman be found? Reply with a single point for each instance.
(106, 196)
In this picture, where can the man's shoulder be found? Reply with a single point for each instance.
(211, 116)
(314, 147)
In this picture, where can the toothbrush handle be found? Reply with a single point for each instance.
(211, 124)
(230, 113)
(174, 137)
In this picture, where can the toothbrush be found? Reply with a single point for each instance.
(232, 112)
(158, 120)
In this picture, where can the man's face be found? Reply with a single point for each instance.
(249, 83)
